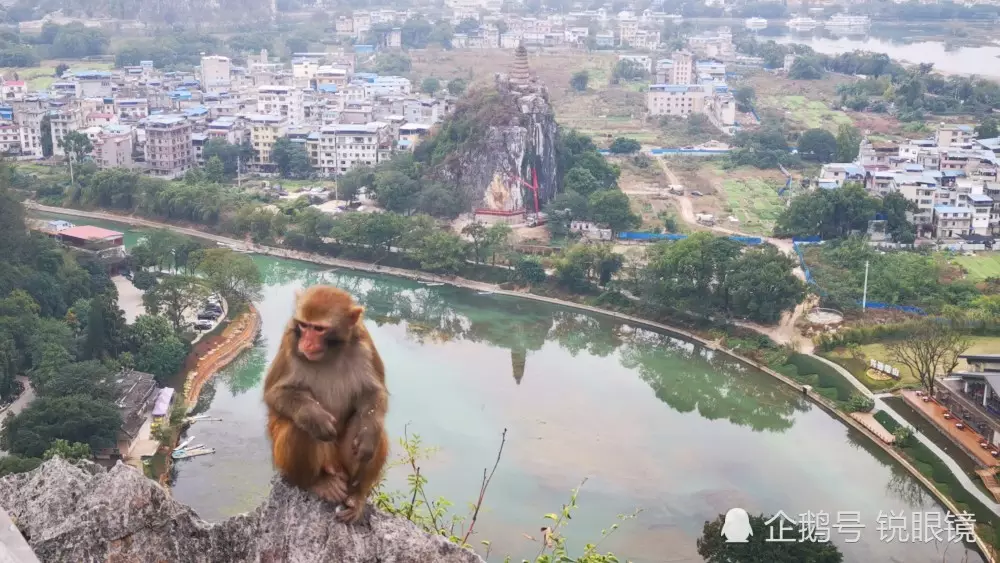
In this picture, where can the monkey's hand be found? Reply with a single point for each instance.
(317, 422)
(364, 443)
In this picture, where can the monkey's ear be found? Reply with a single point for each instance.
(354, 315)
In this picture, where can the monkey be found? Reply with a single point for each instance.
(326, 398)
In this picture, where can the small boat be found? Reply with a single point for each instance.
(485, 292)
(184, 454)
(432, 284)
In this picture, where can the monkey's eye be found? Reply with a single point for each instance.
(309, 327)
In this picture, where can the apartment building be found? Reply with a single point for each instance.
(265, 129)
(386, 86)
(677, 70)
(131, 110)
(676, 99)
(62, 122)
(93, 84)
(13, 90)
(950, 135)
(29, 127)
(113, 147)
(10, 139)
(340, 147)
(215, 73)
(921, 191)
(951, 221)
(284, 101)
(226, 128)
(168, 145)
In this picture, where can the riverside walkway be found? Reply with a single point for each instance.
(237, 337)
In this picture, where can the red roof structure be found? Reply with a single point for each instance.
(88, 232)
(13, 83)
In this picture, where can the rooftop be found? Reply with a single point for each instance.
(951, 209)
(88, 232)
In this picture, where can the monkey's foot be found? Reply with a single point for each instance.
(331, 488)
(351, 510)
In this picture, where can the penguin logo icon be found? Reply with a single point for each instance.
(737, 529)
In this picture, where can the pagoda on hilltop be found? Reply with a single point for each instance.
(520, 75)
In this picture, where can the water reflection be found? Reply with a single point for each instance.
(685, 376)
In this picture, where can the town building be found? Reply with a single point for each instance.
(265, 130)
(215, 73)
(950, 135)
(62, 122)
(93, 84)
(338, 148)
(113, 147)
(168, 145)
(284, 101)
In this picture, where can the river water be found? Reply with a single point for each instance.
(982, 61)
(651, 421)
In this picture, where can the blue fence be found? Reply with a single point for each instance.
(752, 241)
(702, 152)
(903, 308)
(814, 238)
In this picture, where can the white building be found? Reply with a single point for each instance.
(215, 73)
(284, 101)
(340, 147)
(63, 122)
(948, 135)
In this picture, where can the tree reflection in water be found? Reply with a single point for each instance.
(711, 383)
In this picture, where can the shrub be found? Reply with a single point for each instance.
(903, 436)
(860, 403)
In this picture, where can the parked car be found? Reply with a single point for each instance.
(208, 315)
(203, 324)
(213, 307)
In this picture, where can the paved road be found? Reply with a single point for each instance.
(22, 402)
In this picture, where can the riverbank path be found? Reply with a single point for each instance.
(955, 469)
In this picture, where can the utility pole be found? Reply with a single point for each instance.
(864, 296)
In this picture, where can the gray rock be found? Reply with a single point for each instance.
(79, 512)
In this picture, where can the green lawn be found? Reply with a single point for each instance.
(810, 114)
(981, 266)
(877, 351)
(755, 202)
(41, 77)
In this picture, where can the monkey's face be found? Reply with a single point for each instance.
(314, 339)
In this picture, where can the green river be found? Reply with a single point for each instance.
(650, 420)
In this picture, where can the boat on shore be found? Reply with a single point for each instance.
(802, 24)
(755, 24)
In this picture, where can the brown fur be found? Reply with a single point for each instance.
(339, 459)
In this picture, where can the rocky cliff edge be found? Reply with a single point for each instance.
(80, 512)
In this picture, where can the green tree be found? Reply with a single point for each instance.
(612, 208)
(162, 358)
(176, 297)
(430, 85)
(76, 145)
(291, 159)
(623, 145)
(579, 81)
(70, 452)
(396, 191)
(215, 170)
(149, 328)
(231, 155)
(805, 68)
(60, 69)
(988, 129)
(819, 145)
(440, 251)
(45, 137)
(60, 378)
(828, 213)
(144, 281)
(476, 231)
(581, 181)
(457, 86)
(745, 97)
(529, 270)
(497, 236)
(105, 328)
(350, 183)
(848, 142)
(233, 275)
(894, 208)
(761, 285)
(16, 464)
(713, 547)
(75, 418)
(576, 205)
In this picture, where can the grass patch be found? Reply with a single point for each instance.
(755, 202)
(809, 114)
(824, 379)
(858, 367)
(981, 266)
